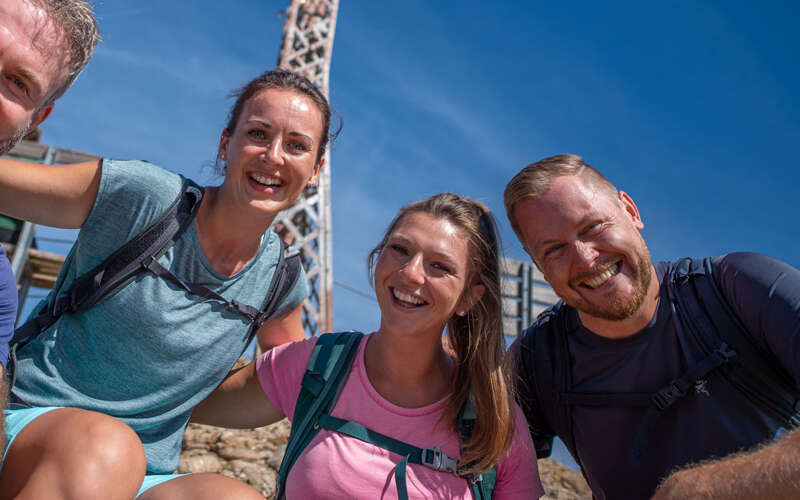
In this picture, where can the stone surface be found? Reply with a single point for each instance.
(561, 482)
(254, 457)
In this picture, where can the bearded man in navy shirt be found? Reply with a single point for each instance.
(622, 333)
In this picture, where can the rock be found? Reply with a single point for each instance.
(562, 483)
(200, 437)
(259, 476)
(194, 461)
(277, 457)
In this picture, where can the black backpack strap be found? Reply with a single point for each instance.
(755, 371)
(121, 267)
(118, 269)
(283, 282)
(544, 357)
(287, 272)
(706, 315)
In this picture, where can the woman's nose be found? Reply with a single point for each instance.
(414, 270)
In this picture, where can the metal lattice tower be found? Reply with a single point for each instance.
(306, 49)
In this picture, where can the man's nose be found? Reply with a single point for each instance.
(585, 253)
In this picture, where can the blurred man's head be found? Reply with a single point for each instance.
(44, 45)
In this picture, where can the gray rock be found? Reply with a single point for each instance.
(194, 461)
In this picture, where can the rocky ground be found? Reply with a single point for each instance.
(254, 456)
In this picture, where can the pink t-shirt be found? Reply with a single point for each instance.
(334, 465)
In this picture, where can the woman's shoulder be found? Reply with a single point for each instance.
(140, 176)
(135, 186)
(132, 194)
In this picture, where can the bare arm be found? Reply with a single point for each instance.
(288, 328)
(768, 472)
(53, 195)
(238, 403)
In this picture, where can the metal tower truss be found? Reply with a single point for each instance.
(306, 49)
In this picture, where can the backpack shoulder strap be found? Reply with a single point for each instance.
(327, 368)
(545, 358)
(754, 371)
(481, 485)
(284, 279)
(121, 267)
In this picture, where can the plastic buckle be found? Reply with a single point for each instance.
(726, 352)
(475, 478)
(665, 397)
(66, 304)
(243, 310)
(437, 460)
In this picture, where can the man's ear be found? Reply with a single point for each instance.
(39, 117)
(631, 210)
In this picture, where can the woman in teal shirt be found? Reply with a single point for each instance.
(142, 359)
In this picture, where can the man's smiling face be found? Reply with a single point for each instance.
(33, 62)
(587, 244)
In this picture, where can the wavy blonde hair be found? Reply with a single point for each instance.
(477, 337)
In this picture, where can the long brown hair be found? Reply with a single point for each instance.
(477, 337)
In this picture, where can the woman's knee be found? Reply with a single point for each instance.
(108, 443)
(81, 453)
(206, 486)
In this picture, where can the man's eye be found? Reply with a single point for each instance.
(19, 84)
(550, 251)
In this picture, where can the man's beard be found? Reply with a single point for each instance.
(8, 144)
(622, 307)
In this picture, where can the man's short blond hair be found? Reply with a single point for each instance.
(76, 19)
(534, 180)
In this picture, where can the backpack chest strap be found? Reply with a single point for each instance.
(433, 458)
(249, 312)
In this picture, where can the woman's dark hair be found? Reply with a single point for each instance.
(284, 79)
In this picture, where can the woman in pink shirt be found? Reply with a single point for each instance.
(436, 267)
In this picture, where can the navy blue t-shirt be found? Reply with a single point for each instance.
(8, 305)
(715, 419)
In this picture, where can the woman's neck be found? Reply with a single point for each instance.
(409, 371)
(229, 239)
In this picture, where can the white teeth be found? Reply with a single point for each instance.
(267, 181)
(406, 298)
(603, 277)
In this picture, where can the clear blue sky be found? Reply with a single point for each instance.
(687, 106)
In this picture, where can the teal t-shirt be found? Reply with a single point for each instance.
(151, 352)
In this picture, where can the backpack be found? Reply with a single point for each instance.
(140, 255)
(324, 378)
(706, 315)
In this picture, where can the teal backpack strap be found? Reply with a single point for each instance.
(327, 368)
(434, 457)
(326, 371)
(482, 484)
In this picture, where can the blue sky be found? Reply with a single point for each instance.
(687, 106)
